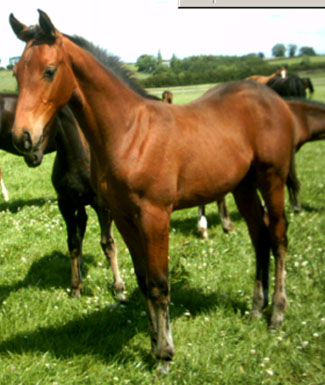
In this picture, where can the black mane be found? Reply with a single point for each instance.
(113, 63)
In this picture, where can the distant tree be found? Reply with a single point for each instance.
(175, 63)
(159, 58)
(307, 51)
(292, 48)
(261, 55)
(146, 63)
(278, 50)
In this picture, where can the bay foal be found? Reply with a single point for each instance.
(149, 158)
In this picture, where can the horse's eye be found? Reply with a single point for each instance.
(49, 73)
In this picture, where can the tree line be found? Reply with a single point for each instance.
(213, 69)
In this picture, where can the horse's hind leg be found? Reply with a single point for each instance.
(251, 209)
(273, 195)
(109, 248)
(76, 226)
(202, 224)
(226, 223)
(3, 188)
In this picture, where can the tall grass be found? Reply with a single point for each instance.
(46, 337)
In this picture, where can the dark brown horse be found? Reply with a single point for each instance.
(291, 86)
(150, 158)
(71, 180)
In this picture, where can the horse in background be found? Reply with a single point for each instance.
(167, 97)
(281, 72)
(291, 86)
(71, 180)
(309, 117)
(308, 86)
(149, 159)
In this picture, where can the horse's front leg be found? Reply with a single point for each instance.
(109, 248)
(76, 226)
(154, 226)
(146, 236)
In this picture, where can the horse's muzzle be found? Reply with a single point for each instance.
(23, 143)
(33, 159)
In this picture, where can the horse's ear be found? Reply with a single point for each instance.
(46, 25)
(21, 30)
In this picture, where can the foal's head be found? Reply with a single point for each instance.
(45, 81)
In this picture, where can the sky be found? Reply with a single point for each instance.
(130, 28)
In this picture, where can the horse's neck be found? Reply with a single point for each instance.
(316, 123)
(102, 103)
(310, 123)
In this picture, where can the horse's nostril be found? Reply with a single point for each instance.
(27, 141)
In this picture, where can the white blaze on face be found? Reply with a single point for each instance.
(283, 74)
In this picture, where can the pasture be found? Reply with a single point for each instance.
(47, 337)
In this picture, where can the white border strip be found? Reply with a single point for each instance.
(251, 4)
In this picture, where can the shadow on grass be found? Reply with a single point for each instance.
(50, 271)
(17, 205)
(105, 333)
(311, 209)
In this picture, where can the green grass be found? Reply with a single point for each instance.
(7, 81)
(46, 337)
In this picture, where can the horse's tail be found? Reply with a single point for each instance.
(310, 85)
(293, 183)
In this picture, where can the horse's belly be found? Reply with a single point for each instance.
(204, 183)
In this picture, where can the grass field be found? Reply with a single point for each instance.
(296, 60)
(46, 337)
(7, 81)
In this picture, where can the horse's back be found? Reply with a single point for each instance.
(219, 137)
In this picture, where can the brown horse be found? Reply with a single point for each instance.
(150, 158)
(202, 224)
(167, 97)
(282, 71)
(309, 117)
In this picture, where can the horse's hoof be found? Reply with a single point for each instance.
(276, 321)
(203, 233)
(76, 293)
(297, 208)
(163, 368)
(228, 228)
(121, 297)
(256, 315)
